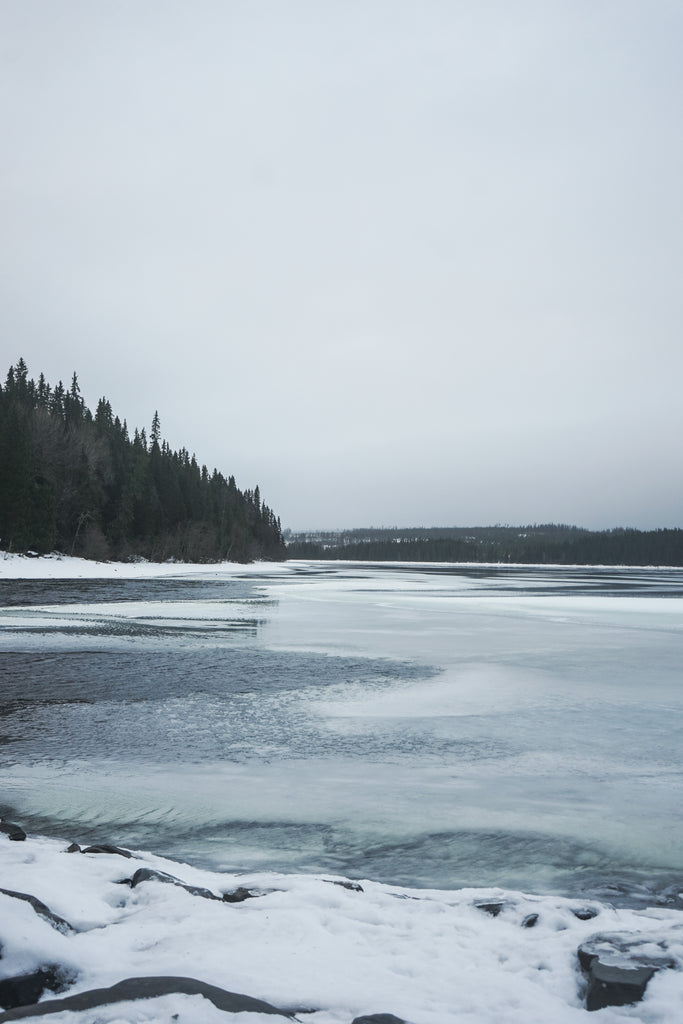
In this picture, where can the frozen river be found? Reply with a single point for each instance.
(431, 726)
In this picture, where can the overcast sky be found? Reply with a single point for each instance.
(399, 262)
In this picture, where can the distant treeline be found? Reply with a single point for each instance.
(545, 544)
(76, 482)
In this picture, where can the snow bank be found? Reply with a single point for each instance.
(303, 943)
(55, 566)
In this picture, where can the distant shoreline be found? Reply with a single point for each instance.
(547, 544)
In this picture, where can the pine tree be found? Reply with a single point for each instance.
(155, 435)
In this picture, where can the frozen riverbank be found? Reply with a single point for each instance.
(57, 567)
(325, 952)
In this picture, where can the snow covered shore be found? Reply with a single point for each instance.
(325, 951)
(44, 567)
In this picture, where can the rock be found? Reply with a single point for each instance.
(625, 950)
(619, 967)
(351, 886)
(146, 988)
(585, 913)
(239, 895)
(73, 848)
(28, 988)
(530, 921)
(14, 832)
(378, 1018)
(615, 986)
(150, 875)
(41, 910)
(107, 848)
(493, 909)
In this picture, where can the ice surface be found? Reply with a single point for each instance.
(435, 725)
(436, 728)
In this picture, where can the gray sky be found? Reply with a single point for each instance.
(413, 263)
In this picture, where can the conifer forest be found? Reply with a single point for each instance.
(536, 544)
(75, 481)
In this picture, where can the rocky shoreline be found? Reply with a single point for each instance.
(612, 968)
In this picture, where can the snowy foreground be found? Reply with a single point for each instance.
(325, 952)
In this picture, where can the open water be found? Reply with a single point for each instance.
(438, 726)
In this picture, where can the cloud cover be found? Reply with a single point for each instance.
(395, 262)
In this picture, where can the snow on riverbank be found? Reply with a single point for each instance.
(58, 566)
(304, 943)
(25, 567)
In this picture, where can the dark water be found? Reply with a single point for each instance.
(426, 726)
(192, 706)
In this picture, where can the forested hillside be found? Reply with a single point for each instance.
(546, 544)
(76, 482)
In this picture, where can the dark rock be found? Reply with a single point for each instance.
(351, 886)
(493, 909)
(378, 1018)
(530, 921)
(74, 848)
(622, 982)
(145, 988)
(28, 988)
(54, 919)
(585, 913)
(106, 848)
(150, 875)
(626, 951)
(239, 895)
(615, 986)
(13, 831)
